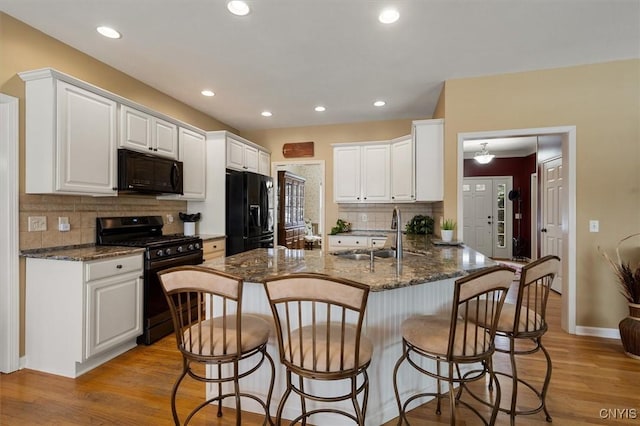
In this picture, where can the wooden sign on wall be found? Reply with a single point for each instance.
(297, 149)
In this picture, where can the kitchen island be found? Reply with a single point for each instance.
(422, 283)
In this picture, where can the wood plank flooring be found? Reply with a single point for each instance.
(589, 375)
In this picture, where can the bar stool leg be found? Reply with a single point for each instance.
(547, 379)
(302, 401)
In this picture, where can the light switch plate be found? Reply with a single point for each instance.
(37, 223)
(594, 226)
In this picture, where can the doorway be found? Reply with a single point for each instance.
(9, 245)
(567, 135)
(314, 173)
(487, 223)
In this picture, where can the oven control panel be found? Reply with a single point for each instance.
(173, 250)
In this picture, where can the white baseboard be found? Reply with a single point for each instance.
(609, 333)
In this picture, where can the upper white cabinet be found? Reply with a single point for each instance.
(144, 132)
(428, 136)
(402, 169)
(362, 173)
(71, 135)
(246, 156)
(406, 169)
(264, 163)
(193, 154)
(376, 184)
(243, 155)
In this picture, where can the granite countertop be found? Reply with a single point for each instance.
(207, 237)
(423, 262)
(81, 253)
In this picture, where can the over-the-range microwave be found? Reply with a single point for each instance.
(145, 173)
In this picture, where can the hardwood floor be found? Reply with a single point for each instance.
(589, 375)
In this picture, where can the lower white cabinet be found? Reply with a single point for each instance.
(349, 242)
(81, 314)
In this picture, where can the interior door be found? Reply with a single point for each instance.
(551, 200)
(478, 214)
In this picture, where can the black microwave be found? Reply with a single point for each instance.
(140, 172)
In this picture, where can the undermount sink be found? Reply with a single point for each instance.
(385, 253)
(354, 256)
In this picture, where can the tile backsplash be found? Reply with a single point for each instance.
(82, 212)
(378, 216)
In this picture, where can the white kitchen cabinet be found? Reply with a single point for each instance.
(213, 248)
(351, 242)
(241, 156)
(376, 173)
(264, 163)
(81, 314)
(402, 169)
(71, 135)
(428, 136)
(346, 173)
(362, 173)
(192, 153)
(144, 132)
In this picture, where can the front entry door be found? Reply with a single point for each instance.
(551, 231)
(487, 223)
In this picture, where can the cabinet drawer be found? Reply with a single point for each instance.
(116, 266)
(213, 249)
(377, 242)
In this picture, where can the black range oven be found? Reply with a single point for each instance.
(162, 252)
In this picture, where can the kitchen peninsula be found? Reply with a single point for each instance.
(422, 284)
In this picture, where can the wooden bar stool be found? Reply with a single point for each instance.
(530, 311)
(455, 341)
(319, 323)
(206, 306)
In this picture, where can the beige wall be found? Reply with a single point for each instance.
(323, 137)
(603, 102)
(23, 48)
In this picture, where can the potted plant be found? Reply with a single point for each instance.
(628, 279)
(420, 224)
(447, 228)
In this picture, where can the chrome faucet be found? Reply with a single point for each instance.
(396, 223)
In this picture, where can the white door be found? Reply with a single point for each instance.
(478, 214)
(487, 213)
(551, 230)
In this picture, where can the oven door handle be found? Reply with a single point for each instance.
(158, 264)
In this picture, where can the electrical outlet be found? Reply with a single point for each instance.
(37, 223)
(364, 217)
(594, 226)
(169, 218)
(63, 224)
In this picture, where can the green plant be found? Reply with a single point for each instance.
(420, 224)
(448, 225)
(628, 278)
(341, 226)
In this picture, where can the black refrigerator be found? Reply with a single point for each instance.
(249, 211)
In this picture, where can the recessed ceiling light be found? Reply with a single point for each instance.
(207, 93)
(238, 7)
(379, 103)
(320, 108)
(388, 16)
(108, 32)
(266, 114)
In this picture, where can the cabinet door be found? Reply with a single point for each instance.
(135, 129)
(193, 155)
(264, 163)
(235, 154)
(402, 169)
(428, 136)
(346, 174)
(376, 178)
(86, 135)
(165, 138)
(114, 312)
(250, 159)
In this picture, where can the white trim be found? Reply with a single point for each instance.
(9, 238)
(569, 164)
(534, 215)
(275, 166)
(608, 333)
